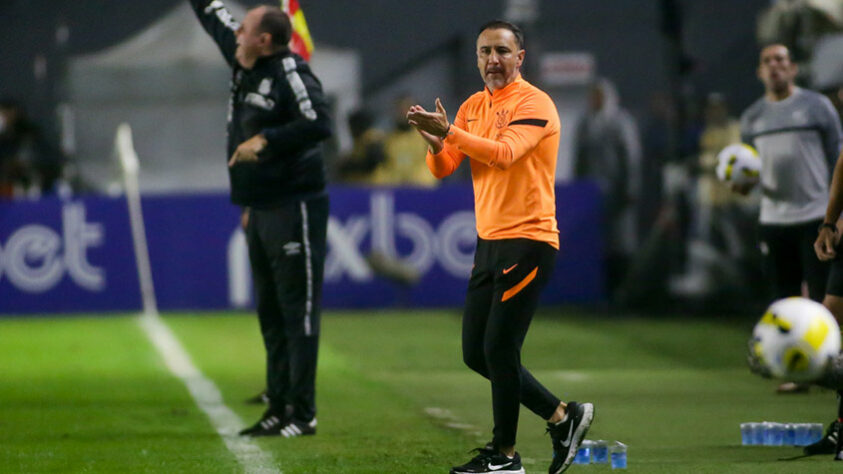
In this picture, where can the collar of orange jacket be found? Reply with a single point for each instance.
(505, 90)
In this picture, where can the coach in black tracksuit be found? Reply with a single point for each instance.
(277, 117)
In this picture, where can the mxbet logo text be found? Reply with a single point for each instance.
(35, 258)
(450, 244)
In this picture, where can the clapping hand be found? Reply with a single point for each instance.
(432, 126)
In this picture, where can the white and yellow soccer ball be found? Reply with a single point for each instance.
(795, 339)
(738, 164)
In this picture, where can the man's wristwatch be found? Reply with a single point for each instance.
(445, 135)
(828, 225)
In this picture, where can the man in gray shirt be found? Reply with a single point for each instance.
(797, 134)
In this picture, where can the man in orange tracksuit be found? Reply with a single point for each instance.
(510, 133)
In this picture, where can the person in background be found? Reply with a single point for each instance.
(404, 147)
(717, 202)
(719, 255)
(608, 151)
(367, 153)
(799, 25)
(29, 164)
(277, 120)
(797, 134)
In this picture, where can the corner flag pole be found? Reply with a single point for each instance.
(300, 41)
(125, 149)
(204, 392)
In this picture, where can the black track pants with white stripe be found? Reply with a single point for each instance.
(287, 246)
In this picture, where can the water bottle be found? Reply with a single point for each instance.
(815, 432)
(803, 434)
(789, 437)
(617, 453)
(600, 452)
(748, 431)
(773, 433)
(583, 455)
(769, 433)
(757, 433)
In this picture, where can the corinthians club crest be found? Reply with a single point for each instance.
(503, 118)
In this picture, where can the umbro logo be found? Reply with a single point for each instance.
(292, 248)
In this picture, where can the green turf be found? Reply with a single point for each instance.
(91, 395)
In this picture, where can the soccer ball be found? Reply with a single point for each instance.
(738, 164)
(795, 339)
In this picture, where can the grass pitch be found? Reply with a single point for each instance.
(92, 395)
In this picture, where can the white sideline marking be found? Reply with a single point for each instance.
(207, 397)
(570, 375)
(448, 420)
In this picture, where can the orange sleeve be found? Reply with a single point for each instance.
(530, 123)
(447, 161)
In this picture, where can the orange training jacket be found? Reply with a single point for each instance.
(512, 138)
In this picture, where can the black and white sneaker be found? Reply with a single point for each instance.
(270, 424)
(828, 443)
(299, 428)
(490, 461)
(567, 435)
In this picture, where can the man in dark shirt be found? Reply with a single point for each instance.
(277, 117)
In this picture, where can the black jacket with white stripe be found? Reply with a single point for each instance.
(280, 98)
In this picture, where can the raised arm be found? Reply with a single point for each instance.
(534, 119)
(219, 23)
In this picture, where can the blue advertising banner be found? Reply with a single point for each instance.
(60, 256)
(77, 255)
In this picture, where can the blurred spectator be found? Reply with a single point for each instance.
(717, 203)
(721, 245)
(405, 152)
(367, 152)
(363, 166)
(608, 151)
(834, 92)
(659, 149)
(798, 25)
(28, 164)
(691, 128)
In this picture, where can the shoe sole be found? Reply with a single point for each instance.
(520, 471)
(579, 434)
(278, 433)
